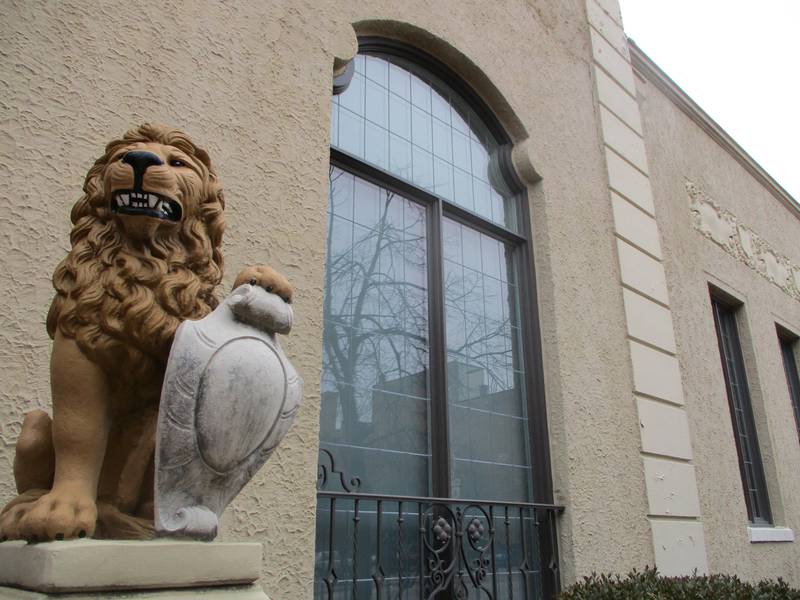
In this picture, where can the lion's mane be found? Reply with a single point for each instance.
(122, 299)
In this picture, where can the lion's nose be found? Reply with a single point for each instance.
(140, 160)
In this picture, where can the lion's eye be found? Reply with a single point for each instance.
(269, 288)
(253, 281)
(176, 162)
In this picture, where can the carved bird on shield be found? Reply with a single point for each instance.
(229, 397)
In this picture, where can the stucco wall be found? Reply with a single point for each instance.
(680, 152)
(76, 76)
(251, 82)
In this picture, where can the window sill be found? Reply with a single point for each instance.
(770, 534)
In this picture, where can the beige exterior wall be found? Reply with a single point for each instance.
(720, 226)
(251, 82)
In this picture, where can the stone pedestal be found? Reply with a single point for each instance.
(157, 570)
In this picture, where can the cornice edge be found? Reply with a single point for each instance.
(650, 71)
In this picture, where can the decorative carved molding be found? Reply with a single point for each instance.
(341, 81)
(741, 242)
(344, 45)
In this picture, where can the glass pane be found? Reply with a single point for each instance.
(377, 70)
(401, 118)
(377, 104)
(375, 399)
(376, 145)
(400, 156)
(351, 132)
(354, 99)
(486, 402)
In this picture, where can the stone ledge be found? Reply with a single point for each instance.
(759, 535)
(104, 565)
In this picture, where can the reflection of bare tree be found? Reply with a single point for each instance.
(376, 302)
(485, 344)
(376, 317)
(479, 321)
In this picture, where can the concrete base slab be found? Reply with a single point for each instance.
(107, 566)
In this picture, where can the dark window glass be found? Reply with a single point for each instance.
(486, 406)
(744, 430)
(375, 337)
(790, 365)
(399, 125)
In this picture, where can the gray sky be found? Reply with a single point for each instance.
(740, 61)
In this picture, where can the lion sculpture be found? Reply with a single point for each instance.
(145, 256)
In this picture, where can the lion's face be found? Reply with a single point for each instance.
(146, 252)
(150, 186)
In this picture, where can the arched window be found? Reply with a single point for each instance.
(428, 384)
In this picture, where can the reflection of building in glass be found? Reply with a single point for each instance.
(392, 420)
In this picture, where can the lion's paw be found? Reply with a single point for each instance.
(54, 516)
(9, 521)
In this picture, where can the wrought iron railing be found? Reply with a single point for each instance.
(390, 547)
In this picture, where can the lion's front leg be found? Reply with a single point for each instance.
(81, 421)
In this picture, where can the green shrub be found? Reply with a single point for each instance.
(649, 585)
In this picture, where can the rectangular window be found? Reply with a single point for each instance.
(790, 365)
(744, 430)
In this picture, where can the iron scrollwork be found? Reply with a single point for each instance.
(458, 548)
(326, 469)
(501, 550)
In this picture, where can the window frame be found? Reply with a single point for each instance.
(788, 341)
(725, 311)
(437, 209)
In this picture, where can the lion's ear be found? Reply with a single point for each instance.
(212, 213)
(203, 157)
(215, 190)
(93, 200)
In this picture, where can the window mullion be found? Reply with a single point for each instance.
(439, 429)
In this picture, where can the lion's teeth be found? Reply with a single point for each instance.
(125, 199)
(153, 200)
